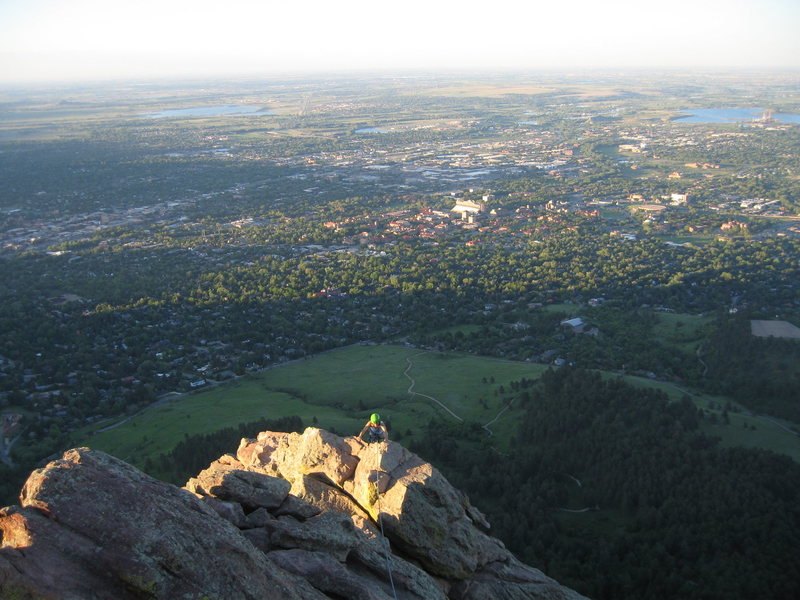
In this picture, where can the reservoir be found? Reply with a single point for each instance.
(208, 111)
(732, 115)
(371, 130)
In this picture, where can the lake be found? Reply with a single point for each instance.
(371, 130)
(230, 110)
(731, 115)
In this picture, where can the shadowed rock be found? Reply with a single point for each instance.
(93, 526)
(292, 516)
(251, 490)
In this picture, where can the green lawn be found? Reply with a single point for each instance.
(363, 379)
(697, 239)
(614, 213)
(569, 309)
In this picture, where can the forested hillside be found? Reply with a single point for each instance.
(762, 373)
(670, 514)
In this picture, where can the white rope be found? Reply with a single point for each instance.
(383, 535)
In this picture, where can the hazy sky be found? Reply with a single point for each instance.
(102, 39)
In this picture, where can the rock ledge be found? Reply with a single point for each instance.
(291, 516)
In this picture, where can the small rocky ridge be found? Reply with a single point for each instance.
(309, 516)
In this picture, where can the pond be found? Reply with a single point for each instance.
(732, 115)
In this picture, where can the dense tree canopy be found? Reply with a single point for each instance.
(671, 514)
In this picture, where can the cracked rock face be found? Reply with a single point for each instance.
(292, 516)
(92, 526)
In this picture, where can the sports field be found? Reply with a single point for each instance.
(778, 329)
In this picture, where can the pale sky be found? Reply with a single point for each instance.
(58, 40)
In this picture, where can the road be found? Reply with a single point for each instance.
(166, 397)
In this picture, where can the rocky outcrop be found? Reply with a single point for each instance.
(293, 516)
(92, 526)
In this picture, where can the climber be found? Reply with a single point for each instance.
(374, 430)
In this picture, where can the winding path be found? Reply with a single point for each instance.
(700, 358)
(497, 416)
(580, 510)
(774, 422)
(413, 383)
(450, 412)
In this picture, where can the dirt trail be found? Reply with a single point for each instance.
(497, 416)
(413, 383)
(454, 415)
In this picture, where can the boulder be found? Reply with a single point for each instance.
(370, 561)
(93, 526)
(258, 518)
(331, 576)
(331, 532)
(327, 497)
(230, 511)
(41, 559)
(250, 489)
(298, 508)
(314, 452)
(511, 580)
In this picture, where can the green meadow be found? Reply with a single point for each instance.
(681, 331)
(336, 391)
(339, 389)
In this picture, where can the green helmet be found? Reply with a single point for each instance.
(375, 418)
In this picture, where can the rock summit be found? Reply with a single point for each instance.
(309, 516)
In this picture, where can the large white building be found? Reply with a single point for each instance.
(469, 207)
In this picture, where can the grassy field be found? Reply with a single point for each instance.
(744, 429)
(758, 434)
(160, 428)
(682, 331)
(338, 390)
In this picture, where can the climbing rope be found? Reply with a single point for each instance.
(383, 535)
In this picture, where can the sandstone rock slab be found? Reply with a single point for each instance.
(133, 537)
